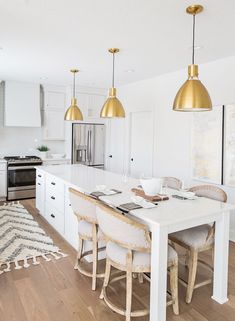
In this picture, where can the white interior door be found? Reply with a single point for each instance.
(141, 144)
(115, 142)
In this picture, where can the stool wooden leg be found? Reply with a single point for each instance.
(79, 253)
(129, 285)
(106, 278)
(128, 295)
(141, 277)
(95, 257)
(174, 286)
(193, 258)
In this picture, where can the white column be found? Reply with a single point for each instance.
(158, 273)
(220, 285)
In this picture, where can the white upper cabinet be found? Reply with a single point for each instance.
(90, 104)
(95, 105)
(82, 101)
(53, 125)
(22, 104)
(55, 100)
(53, 113)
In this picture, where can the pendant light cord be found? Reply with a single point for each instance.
(74, 85)
(113, 70)
(193, 54)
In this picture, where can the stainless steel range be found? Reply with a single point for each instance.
(21, 176)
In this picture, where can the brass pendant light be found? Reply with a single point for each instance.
(73, 112)
(112, 107)
(193, 95)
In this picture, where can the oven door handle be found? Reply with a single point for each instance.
(15, 168)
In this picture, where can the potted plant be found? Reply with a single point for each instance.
(43, 151)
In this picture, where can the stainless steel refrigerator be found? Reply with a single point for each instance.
(88, 146)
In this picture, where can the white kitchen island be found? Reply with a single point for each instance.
(170, 216)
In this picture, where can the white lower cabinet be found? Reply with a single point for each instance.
(52, 201)
(3, 181)
(55, 200)
(54, 186)
(40, 192)
(70, 224)
(55, 218)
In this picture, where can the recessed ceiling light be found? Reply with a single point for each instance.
(129, 71)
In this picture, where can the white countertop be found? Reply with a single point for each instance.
(86, 178)
(171, 213)
(56, 159)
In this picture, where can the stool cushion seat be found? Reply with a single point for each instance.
(118, 254)
(195, 237)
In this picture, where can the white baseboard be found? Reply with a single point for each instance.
(232, 235)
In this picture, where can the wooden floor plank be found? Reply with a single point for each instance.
(12, 309)
(31, 300)
(54, 291)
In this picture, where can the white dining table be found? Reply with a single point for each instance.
(175, 215)
(167, 217)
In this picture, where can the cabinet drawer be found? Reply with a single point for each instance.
(54, 186)
(56, 200)
(40, 178)
(39, 175)
(55, 218)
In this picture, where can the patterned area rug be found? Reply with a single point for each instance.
(22, 241)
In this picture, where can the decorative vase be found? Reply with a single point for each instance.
(151, 186)
(43, 155)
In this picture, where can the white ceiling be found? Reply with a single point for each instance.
(45, 38)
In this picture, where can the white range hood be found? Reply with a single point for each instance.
(22, 104)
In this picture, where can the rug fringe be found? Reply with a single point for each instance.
(26, 264)
(35, 262)
(55, 255)
(8, 268)
(46, 258)
(17, 266)
(26, 261)
(62, 254)
(12, 203)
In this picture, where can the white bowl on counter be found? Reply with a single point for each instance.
(151, 186)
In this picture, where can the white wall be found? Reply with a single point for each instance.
(23, 141)
(172, 136)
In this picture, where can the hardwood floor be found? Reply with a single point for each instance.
(54, 291)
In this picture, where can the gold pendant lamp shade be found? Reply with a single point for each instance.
(112, 107)
(193, 95)
(73, 112)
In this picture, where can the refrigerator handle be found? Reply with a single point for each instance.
(90, 147)
(87, 147)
